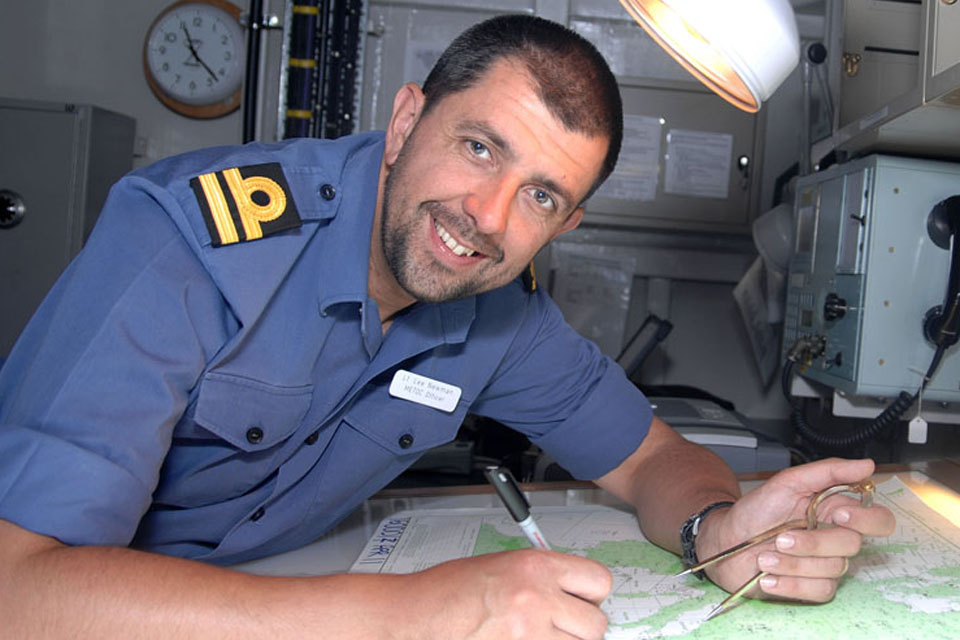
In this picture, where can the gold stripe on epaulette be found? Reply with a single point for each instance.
(219, 210)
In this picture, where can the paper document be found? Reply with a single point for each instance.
(903, 587)
(698, 163)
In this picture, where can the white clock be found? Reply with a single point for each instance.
(193, 57)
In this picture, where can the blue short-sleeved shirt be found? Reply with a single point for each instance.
(228, 402)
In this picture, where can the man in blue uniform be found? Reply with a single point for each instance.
(256, 339)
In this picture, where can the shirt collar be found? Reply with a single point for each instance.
(456, 318)
(346, 240)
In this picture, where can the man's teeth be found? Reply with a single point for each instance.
(454, 246)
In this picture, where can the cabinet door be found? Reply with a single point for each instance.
(943, 54)
(38, 162)
(693, 160)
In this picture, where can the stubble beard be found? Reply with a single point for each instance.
(426, 280)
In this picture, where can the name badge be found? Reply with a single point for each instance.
(407, 385)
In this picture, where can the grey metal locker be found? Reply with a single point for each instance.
(57, 163)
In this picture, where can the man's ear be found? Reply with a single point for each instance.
(571, 223)
(407, 108)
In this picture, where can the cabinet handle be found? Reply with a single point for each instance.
(12, 208)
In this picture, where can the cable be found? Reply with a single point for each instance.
(252, 71)
(881, 423)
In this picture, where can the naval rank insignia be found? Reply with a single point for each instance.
(529, 278)
(245, 203)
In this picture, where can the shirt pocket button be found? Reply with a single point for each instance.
(254, 435)
(327, 192)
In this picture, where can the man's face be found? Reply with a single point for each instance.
(484, 180)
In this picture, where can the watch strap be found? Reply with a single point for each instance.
(689, 531)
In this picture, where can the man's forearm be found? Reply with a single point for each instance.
(48, 590)
(669, 479)
(56, 591)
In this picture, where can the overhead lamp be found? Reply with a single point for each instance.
(741, 49)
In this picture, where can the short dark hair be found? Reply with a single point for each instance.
(573, 79)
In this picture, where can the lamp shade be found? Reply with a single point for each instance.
(741, 49)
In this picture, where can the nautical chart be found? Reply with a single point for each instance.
(906, 586)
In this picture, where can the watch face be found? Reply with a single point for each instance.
(195, 54)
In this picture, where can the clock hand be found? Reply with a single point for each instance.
(189, 41)
(196, 55)
(209, 70)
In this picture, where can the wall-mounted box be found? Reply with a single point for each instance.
(865, 272)
(58, 161)
(899, 88)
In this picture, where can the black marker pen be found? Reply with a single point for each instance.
(509, 491)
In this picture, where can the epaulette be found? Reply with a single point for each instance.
(240, 204)
(529, 278)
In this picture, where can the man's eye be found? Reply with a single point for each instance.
(543, 198)
(478, 148)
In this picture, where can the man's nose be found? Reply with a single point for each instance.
(489, 205)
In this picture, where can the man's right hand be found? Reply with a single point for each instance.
(50, 590)
(509, 595)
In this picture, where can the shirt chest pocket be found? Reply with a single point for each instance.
(250, 415)
(403, 427)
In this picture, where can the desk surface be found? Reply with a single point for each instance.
(936, 482)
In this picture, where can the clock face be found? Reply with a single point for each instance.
(193, 57)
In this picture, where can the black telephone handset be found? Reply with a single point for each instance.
(941, 325)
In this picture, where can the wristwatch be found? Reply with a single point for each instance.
(689, 531)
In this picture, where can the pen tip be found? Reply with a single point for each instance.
(717, 609)
(682, 573)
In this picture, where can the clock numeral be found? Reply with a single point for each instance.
(162, 50)
(227, 56)
(198, 21)
(193, 85)
(224, 39)
(165, 67)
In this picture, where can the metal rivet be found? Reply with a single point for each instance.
(254, 435)
(405, 441)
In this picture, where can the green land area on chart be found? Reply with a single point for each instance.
(903, 587)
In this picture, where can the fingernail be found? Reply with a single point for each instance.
(768, 582)
(841, 516)
(768, 560)
(785, 541)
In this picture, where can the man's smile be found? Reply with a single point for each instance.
(459, 238)
(451, 242)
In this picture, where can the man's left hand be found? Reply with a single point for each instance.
(802, 564)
